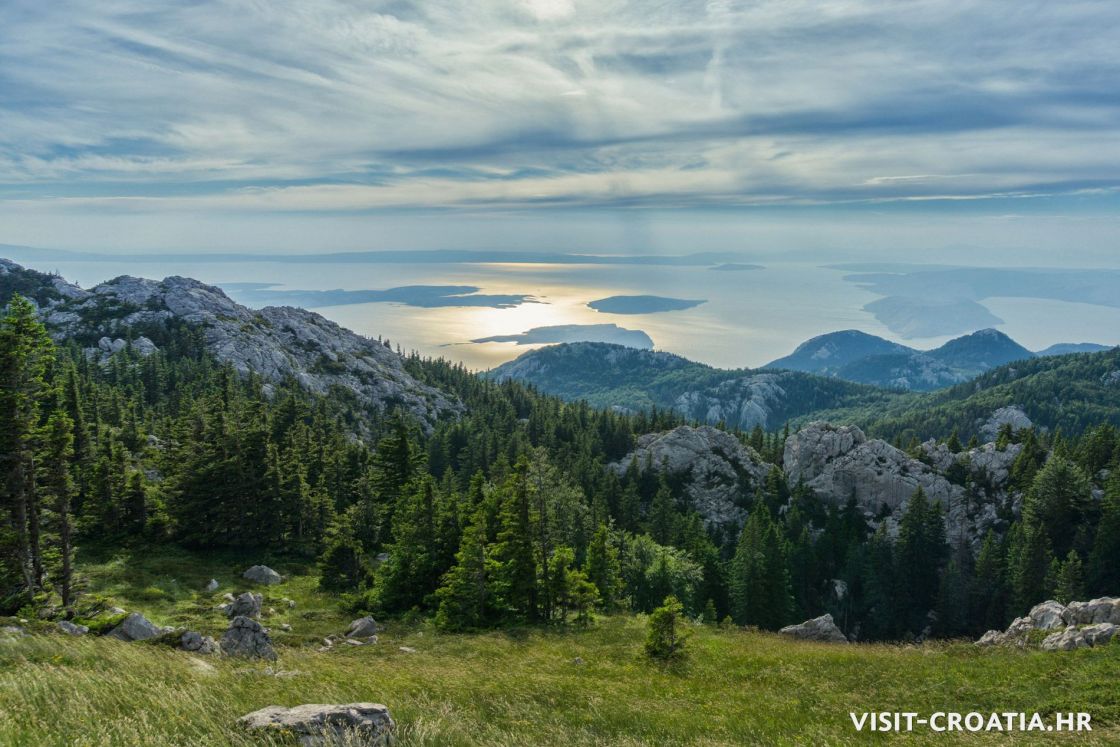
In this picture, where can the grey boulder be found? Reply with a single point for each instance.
(262, 574)
(136, 627)
(246, 605)
(365, 724)
(196, 642)
(363, 627)
(818, 629)
(213, 585)
(72, 629)
(247, 638)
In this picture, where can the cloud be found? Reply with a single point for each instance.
(236, 106)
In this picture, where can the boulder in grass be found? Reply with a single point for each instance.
(213, 585)
(365, 724)
(262, 574)
(247, 605)
(818, 629)
(197, 643)
(1101, 610)
(136, 627)
(70, 628)
(247, 638)
(363, 627)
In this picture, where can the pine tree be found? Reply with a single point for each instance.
(26, 354)
(603, 568)
(1104, 561)
(666, 635)
(1070, 584)
(920, 551)
(57, 485)
(759, 576)
(662, 515)
(1059, 499)
(466, 595)
(988, 599)
(1028, 564)
(516, 586)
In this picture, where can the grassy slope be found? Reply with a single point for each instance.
(511, 688)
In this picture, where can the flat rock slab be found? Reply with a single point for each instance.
(365, 724)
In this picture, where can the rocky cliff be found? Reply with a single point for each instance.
(276, 343)
(720, 474)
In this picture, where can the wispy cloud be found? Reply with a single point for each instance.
(237, 105)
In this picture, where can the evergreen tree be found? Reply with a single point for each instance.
(988, 590)
(1070, 584)
(1028, 564)
(466, 595)
(1060, 498)
(759, 576)
(26, 355)
(603, 568)
(920, 551)
(57, 485)
(1104, 561)
(666, 635)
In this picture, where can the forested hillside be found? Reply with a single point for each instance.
(507, 510)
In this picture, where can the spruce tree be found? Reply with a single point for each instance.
(1104, 560)
(26, 354)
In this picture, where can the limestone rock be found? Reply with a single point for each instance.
(72, 629)
(839, 462)
(818, 629)
(247, 605)
(1047, 615)
(365, 724)
(212, 586)
(198, 643)
(1102, 610)
(1012, 415)
(363, 627)
(262, 574)
(136, 627)
(247, 638)
(721, 473)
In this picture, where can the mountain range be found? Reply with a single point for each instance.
(282, 344)
(1053, 391)
(866, 359)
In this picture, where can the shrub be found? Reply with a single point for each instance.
(665, 637)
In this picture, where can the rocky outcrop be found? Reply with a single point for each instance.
(818, 629)
(1102, 610)
(136, 627)
(839, 462)
(720, 474)
(247, 638)
(365, 724)
(742, 402)
(262, 574)
(246, 605)
(275, 343)
(1074, 638)
(195, 642)
(1011, 415)
(1078, 625)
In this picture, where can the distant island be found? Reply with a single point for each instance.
(612, 333)
(735, 267)
(642, 304)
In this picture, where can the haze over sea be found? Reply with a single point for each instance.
(750, 316)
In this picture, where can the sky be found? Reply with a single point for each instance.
(931, 131)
